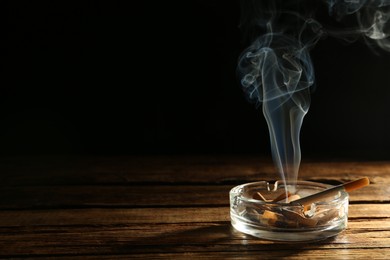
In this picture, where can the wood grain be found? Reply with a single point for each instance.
(187, 237)
(101, 216)
(28, 197)
(169, 208)
(178, 169)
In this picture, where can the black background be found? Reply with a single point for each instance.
(158, 77)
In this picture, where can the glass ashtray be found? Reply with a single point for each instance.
(255, 210)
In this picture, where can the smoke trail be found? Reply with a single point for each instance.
(276, 71)
(373, 18)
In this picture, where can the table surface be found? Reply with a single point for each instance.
(170, 208)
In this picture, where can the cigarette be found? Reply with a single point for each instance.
(259, 196)
(282, 197)
(348, 187)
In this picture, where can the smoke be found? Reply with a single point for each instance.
(276, 70)
(372, 18)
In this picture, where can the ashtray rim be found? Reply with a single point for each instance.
(274, 186)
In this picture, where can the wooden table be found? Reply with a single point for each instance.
(169, 207)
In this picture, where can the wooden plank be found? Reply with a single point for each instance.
(254, 254)
(168, 207)
(111, 196)
(299, 254)
(126, 169)
(112, 216)
(157, 238)
(141, 196)
(369, 211)
(372, 214)
(174, 169)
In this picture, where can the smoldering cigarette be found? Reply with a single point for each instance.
(348, 187)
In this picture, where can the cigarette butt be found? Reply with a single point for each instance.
(282, 196)
(298, 219)
(293, 197)
(269, 218)
(259, 196)
(307, 222)
(306, 207)
(322, 195)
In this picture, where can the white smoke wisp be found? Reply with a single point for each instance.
(372, 16)
(276, 71)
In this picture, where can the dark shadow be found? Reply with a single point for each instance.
(216, 237)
